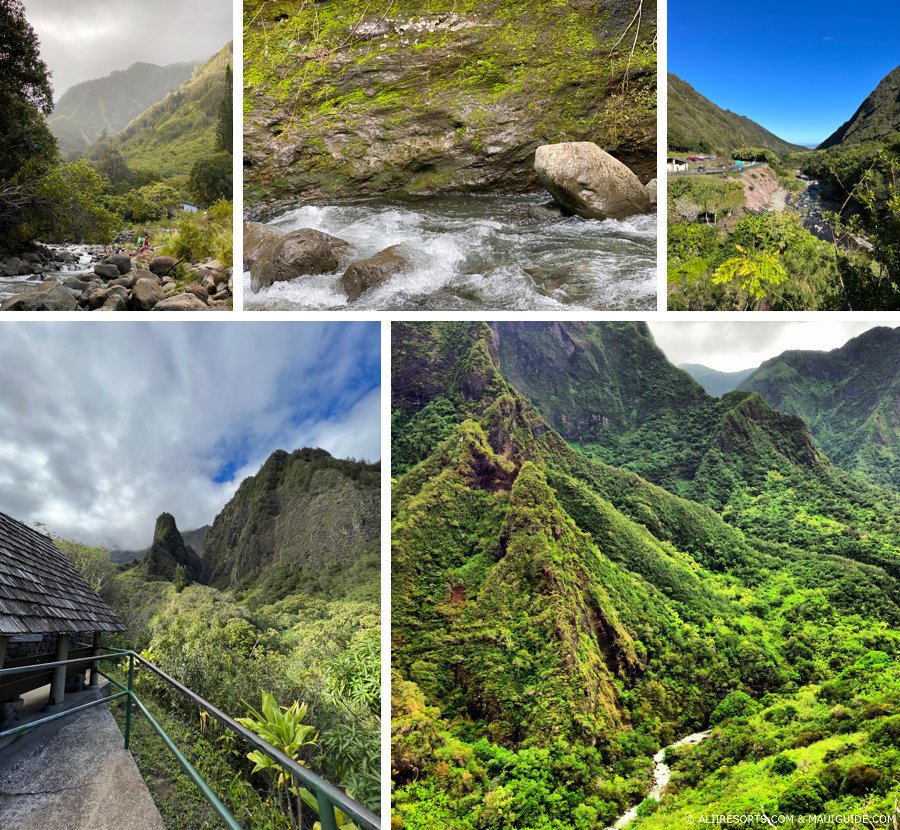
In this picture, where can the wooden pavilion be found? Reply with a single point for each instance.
(48, 613)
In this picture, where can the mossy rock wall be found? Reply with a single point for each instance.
(346, 97)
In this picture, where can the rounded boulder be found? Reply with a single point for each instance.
(588, 182)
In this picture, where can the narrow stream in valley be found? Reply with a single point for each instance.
(82, 256)
(661, 773)
(477, 252)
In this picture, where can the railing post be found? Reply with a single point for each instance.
(58, 683)
(326, 811)
(128, 700)
(95, 666)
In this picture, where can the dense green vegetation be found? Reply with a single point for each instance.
(136, 180)
(774, 262)
(697, 124)
(557, 619)
(302, 639)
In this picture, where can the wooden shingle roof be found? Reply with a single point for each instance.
(41, 592)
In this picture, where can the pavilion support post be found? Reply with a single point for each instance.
(4, 641)
(95, 666)
(58, 685)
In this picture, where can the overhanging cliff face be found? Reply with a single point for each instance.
(356, 98)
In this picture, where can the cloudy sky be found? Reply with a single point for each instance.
(106, 425)
(86, 39)
(730, 346)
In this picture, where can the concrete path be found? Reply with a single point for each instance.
(74, 774)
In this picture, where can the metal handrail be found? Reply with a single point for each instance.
(328, 796)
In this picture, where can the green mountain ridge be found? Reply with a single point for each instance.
(557, 613)
(696, 123)
(170, 136)
(195, 539)
(168, 552)
(849, 397)
(876, 117)
(88, 110)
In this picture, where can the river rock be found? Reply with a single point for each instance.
(16, 267)
(115, 302)
(256, 238)
(146, 294)
(182, 302)
(161, 265)
(50, 296)
(300, 253)
(367, 273)
(197, 290)
(121, 261)
(589, 182)
(650, 188)
(107, 271)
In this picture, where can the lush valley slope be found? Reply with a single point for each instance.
(714, 381)
(105, 106)
(877, 116)
(283, 599)
(175, 133)
(849, 397)
(696, 123)
(348, 98)
(556, 618)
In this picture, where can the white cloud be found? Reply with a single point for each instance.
(733, 345)
(107, 425)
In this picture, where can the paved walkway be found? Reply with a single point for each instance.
(74, 774)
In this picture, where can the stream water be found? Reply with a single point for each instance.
(812, 206)
(85, 255)
(477, 252)
(661, 773)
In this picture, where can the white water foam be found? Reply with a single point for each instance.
(475, 252)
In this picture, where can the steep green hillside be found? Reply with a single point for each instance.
(180, 130)
(106, 105)
(303, 520)
(696, 123)
(195, 539)
(876, 118)
(370, 96)
(714, 381)
(850, 397)
(557, 619)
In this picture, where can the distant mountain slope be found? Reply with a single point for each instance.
(174, 133)
(877, 116)
(849, 397)
(302, 518)
(715, 382)
(696, 123)
(169, 552)
(106, 105)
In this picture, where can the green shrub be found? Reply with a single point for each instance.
(782, 765)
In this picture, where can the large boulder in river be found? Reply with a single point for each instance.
(367, 273)
(16, 267)
(162, 265)
(145, 295)
(650, 188)
(50, 296)
(302, 253)
(121, 261)
(589, 182)
(256, 238)
(107, 271)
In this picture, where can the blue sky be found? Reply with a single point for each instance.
(106, 425)
(799, 68)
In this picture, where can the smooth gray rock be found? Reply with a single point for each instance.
(181, 302)
(300, 253)
(146, 294)
(365, 274)
(162, 265)
(256, 238)
(107, 271)
(49, 296)
(589, 182)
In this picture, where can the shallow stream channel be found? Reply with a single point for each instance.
(661, 774)
(476, 252)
